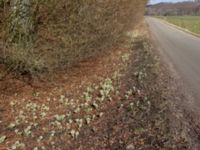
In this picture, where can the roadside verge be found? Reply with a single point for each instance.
(177, 27)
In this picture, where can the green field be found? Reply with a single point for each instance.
(191, 23)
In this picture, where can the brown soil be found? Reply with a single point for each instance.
(71, 83)
(134, 115)
(139, 122)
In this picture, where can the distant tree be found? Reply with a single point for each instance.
(181, 8)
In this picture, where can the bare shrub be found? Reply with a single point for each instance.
(67, 31)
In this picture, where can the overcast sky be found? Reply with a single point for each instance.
(158, 1)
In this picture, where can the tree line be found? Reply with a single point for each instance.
(174, 9)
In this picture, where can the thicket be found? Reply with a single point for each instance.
(65, 31)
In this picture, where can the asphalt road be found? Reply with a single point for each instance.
(182, 51)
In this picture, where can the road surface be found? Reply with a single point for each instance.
(182, 50)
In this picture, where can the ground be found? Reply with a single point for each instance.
(118, 100)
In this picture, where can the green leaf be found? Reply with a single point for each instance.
(2, 139)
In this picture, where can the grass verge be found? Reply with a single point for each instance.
(190, 23)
